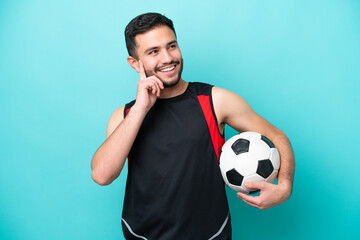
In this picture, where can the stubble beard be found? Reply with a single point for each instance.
(173, 82)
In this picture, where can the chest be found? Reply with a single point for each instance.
(174, 125)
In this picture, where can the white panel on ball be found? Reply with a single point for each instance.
(251, 135)
(245, 165)
(275, 158)
(259, 150)
(227, 162)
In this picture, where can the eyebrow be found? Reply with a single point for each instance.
(156, 47)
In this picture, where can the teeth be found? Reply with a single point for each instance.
(167, 69)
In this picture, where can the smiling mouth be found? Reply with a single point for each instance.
(168, 69)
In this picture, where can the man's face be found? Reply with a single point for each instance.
(160, 54)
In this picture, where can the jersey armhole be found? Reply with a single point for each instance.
(125, 110)
(217, 139)
(128, 107)
(213, 112)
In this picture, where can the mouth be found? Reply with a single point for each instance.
(168, 70)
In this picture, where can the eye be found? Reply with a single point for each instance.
(172, 46)
(153, 52)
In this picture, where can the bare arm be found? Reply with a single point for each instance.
(233, 110)
(109, 159)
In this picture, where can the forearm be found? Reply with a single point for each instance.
(287, 162)
(109, 159)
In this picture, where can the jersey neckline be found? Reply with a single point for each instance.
(175, 97)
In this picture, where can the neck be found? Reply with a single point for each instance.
(174, 91)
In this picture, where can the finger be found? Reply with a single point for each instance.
(158, 81)
(254, 185)
(155, 89)
(247, 198)
(251, 204)
(142, 70)
(243, 197)
(161, 84)
(156, 86)
(144, 84)
(150, 86)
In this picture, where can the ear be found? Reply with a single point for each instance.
(133, 63)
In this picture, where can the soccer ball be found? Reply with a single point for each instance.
(248, 157)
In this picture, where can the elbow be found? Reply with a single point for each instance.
(98, 175)
(281, 137)
(100, 179)
(104, 171)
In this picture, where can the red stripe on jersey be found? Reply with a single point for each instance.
(127, 111)
(216, 138)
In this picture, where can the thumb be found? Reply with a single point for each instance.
(255, 185)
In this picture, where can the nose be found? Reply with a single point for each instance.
(166, 57)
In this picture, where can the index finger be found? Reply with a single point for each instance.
(142, 70)
(251, 199)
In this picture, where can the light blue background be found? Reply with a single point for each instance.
(63, 72)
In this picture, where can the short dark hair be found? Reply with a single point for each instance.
(142, 24)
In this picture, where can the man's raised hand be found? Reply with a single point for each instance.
(148, 89)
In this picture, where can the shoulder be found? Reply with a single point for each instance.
(115, 119)
(226, 99)
(234, 111)
(229, 105)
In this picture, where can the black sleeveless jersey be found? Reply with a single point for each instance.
(174, 187)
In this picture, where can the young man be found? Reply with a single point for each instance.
(172, 135)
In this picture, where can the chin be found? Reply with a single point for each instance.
(172, 82)
(169, 84)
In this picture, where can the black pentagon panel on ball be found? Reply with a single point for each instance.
(265, 168)
(267, 141)
(240, 146)
(234, 177)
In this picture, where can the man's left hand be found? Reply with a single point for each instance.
(270, 194)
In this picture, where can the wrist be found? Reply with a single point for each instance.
(137, 111)
(286, 187)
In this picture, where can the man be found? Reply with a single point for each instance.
(172, 134)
